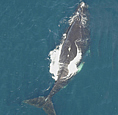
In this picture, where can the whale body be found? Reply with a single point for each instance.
(72, 50)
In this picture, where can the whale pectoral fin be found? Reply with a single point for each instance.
(42, 102)
(80, 66)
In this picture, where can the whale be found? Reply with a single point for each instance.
(72, 50)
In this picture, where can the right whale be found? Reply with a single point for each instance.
(72, 50)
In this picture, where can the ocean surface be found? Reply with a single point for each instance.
(29, 30)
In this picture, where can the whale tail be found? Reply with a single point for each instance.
(42, 102)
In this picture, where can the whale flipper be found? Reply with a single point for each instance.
(42, 102)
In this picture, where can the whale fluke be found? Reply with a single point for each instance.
(67, 58)
(42, 102)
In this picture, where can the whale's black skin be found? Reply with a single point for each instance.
(76, 33)
(77, 36)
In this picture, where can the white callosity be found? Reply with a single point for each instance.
(54, 58)
(78, 13)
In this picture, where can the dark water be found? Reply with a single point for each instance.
(29, 30)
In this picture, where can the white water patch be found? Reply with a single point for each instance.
(54, 58)
(72, 67)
